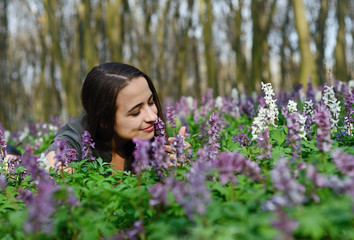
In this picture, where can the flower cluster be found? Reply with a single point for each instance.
(229, 163)
(192, 194)
(159, 162)
(267, 115)
(160, 127)
(332, 104)
(292, 106)
(3, 182)
(259, 123)
(264, 143)
(141, 155)
(242, 138)
(296, 131)
(272, 111)
(248, 108)
(171, 116)
(284, 224)
(291, 192)
(322, 119)
(349, 113)
(2, 146)
(344, 162)
(308, 112)
(63, 154)
(87, 145)
(215, 125)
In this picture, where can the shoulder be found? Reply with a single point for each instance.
(71, 132)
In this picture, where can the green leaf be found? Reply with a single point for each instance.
(278, 136)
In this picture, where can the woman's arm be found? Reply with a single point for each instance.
(51, 162)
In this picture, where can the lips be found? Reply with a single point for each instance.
(148, 129)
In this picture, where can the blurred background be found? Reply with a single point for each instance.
(186, 46)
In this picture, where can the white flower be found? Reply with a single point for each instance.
(308, 108)
(272, 112)
(219, 102)
(234, 95)
(351, 85)
(302, 121)
(259, 123)
(292, 106)
(24, 134)
(332, 104)
(318, 96)
(266, 115)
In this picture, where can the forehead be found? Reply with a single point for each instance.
(137, 91)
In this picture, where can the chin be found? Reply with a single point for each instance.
(146, 136)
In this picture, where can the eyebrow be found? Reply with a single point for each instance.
(139, 104)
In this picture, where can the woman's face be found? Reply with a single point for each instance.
(136, 111)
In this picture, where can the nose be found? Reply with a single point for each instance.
(151, 115)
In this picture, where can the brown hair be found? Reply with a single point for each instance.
(99, 93)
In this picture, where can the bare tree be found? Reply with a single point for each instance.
(341, 70)
(308, 66)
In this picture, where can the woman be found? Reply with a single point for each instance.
(120, 103)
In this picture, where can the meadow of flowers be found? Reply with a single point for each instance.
(274, 166)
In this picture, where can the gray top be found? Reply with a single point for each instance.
(72, 132)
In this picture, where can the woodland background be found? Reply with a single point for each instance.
(186, 46)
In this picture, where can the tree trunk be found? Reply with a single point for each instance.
(319, 39)
(262, 22)
(115, 29)
(4, 119)
(206, 16)
(308, 65)
(341, 71)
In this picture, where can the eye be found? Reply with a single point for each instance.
(135, 114)
(151, 102)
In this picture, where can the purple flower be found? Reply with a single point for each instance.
(26, 195)
(230, 163)
(41, 209)
(215, 125)
(31, 164)
(284, 224)
(71, 155)
(242, 138)
(60, 154)
(319, 180)
(72, 200)
(248, 108)
(295, 124)
(193, 195)
(340, 186)
(141, 155)
(12, 163)
(178, 145)
(160, 127)
(87, 145)
(132, 233)
(323, 120)
(171, 116)
(2, 146)
(159, 194)
(198, 194)
(310, 94)
(344, 162)
(208, 102)
(159, 161)
(3, 182)
(264, 143)
(292, 192)
(63, 154)
(349, 112)
(226, 166)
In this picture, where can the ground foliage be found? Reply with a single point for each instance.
(241, 179)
